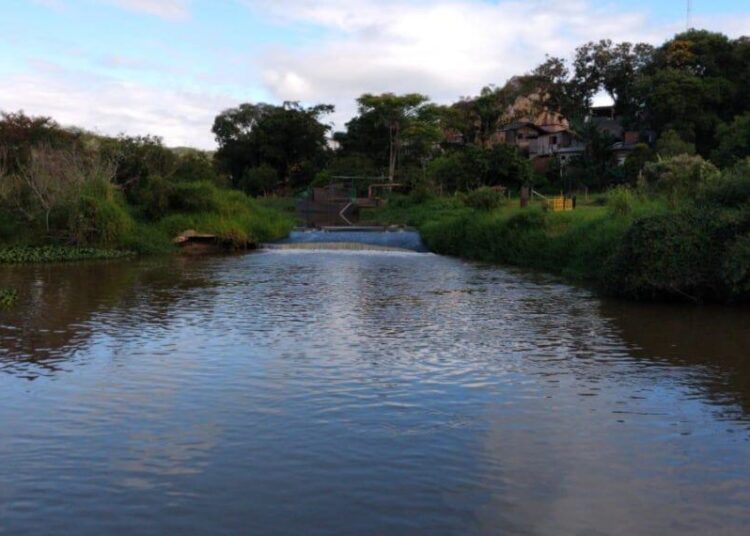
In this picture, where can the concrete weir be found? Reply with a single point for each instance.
(353, 238)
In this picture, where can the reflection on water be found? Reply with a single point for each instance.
(344, 392)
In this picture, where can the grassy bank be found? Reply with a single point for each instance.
(630, 245)
(103, 225)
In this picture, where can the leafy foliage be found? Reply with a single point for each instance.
(485, 199)
(26, 254)
(289, 138)
(8, 297)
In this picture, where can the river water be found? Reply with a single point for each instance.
(363, 392)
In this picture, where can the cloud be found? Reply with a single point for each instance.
(166, 9)
(112, 106)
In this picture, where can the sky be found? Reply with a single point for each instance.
(168, 67)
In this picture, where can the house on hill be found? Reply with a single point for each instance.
(542, 143)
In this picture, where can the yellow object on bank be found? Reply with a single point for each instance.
(560, 204)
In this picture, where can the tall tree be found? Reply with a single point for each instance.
(396, 113)
(613, 67)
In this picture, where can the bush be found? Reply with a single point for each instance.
(680, 177)
(197, 166)
(620, 201)
(732, 189)
(193, 197)
(260, 180)
(678, 255)
(734, 141)
(152, 196)
(99, 221)
(671, 144)
(484, 199)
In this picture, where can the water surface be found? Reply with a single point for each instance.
(304, 392)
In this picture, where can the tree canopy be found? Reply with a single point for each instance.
(290, 139)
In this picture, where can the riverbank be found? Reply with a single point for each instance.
(638, 248)
(117, 229)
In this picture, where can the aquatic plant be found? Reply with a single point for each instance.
(8, 297)
(28, 254)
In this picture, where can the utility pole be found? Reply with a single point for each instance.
(689, 14)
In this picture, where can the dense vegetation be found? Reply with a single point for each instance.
(682, 234)
(67, 195)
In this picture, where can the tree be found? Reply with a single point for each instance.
(194, 165)
(138, 158)
(612, 67)
(686, 103)
(259, 180)
(289, 138)
(635, 163)
(395, 113)
(734, 141)
(671, 144)
(563, 94)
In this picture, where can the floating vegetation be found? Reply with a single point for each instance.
(24, 254)
(8, 297)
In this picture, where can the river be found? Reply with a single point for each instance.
(363, 392)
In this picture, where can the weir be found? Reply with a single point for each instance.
(355, 238)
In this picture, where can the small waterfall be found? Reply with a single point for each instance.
(358, 239)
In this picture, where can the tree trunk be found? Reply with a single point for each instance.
(392, 155)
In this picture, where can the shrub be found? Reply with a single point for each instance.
(677, 255)
(152, 196)
(732, 189)
(734, 141)
(98, 221)
(671, 144)
(193, 197)
(484, 199)
(197, 166)
(620, 201)
(679, 177)
(259, 180)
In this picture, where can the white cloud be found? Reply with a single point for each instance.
(166, 9)
(111, 106)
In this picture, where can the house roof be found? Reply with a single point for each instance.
(522, 124)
